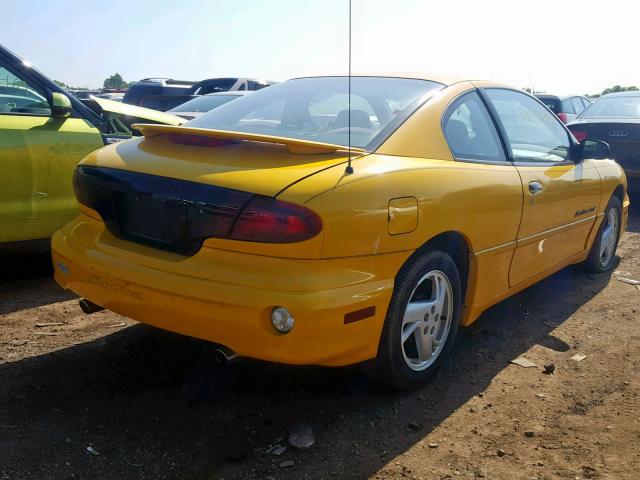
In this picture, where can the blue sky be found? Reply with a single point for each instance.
(568, 46)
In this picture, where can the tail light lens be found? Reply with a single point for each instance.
(563, 117)
(269, 220)
(579, 134)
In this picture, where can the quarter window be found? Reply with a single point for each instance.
(533, 133)
(18, 97)
(567, 107)
(577, 104)
(470, 132)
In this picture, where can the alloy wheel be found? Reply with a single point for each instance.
(609, 237)
(427, 320)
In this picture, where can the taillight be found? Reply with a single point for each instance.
(563, 117)
(580, 135)
(269, 220)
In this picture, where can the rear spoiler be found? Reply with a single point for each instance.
(294, 145)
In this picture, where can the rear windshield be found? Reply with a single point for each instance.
(204, 103)
(140, 90)
(317, 109)
(213, 86)
(627, 107)
(552, 104)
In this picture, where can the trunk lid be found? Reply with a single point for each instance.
(177, 187)
(622, 137)
(250, 163)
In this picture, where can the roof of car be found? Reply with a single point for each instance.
(236, 93)
(549, 95)
(622, 94)
(252, 79)
(559, 97)
(166, 81)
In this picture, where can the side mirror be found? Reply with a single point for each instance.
(60, 105)
(592, 149)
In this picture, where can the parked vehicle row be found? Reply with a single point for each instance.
(204, 103)
(273, 228)
(165, 94)
(615, 119)
(567, 108)
(322, 220)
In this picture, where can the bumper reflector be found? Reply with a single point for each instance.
(282, 319)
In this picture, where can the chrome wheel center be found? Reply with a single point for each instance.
(609, 237)
(427, 320)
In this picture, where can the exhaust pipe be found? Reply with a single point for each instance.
(225, 355)
(89, 307)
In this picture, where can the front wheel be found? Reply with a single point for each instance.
(603, 251)
(421, 324)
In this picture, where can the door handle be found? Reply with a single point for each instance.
(535, 188)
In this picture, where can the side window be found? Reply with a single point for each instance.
(253, 85)
(533, 133)
(17, 97)
(470, 132)
(567, 106)
(577, 105)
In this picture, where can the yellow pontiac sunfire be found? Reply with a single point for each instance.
(248, 227)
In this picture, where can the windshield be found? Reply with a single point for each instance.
(204, 103)
(628, 107)
(317, 109)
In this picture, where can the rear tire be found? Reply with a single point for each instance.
(421, 324)
(603, 251)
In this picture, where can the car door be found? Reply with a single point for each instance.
(38, 154)
(475, 143)
(561, 197)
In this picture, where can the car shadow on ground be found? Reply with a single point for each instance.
(159, 405)
(25, 269)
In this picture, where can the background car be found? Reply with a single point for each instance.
(163, 95)
(155, 92)
(119, 117)
(615, 119)
(115, 96)
(44, 133)
(567, 108)
(84, 93)
(301, 224)
(203, 103)
(213, 85)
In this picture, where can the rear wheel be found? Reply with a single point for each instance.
(603, 251)
(421, 324)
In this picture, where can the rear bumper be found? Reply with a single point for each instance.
(226, 297)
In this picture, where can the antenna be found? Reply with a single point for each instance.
(349, 168)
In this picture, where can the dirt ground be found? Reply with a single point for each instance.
(154, 405)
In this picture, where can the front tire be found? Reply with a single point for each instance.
(603, 251)
(421, 324)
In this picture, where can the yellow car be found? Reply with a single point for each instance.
(252, 227)
(44, 133)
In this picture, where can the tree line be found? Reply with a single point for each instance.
(614, 89)
(115, 81)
